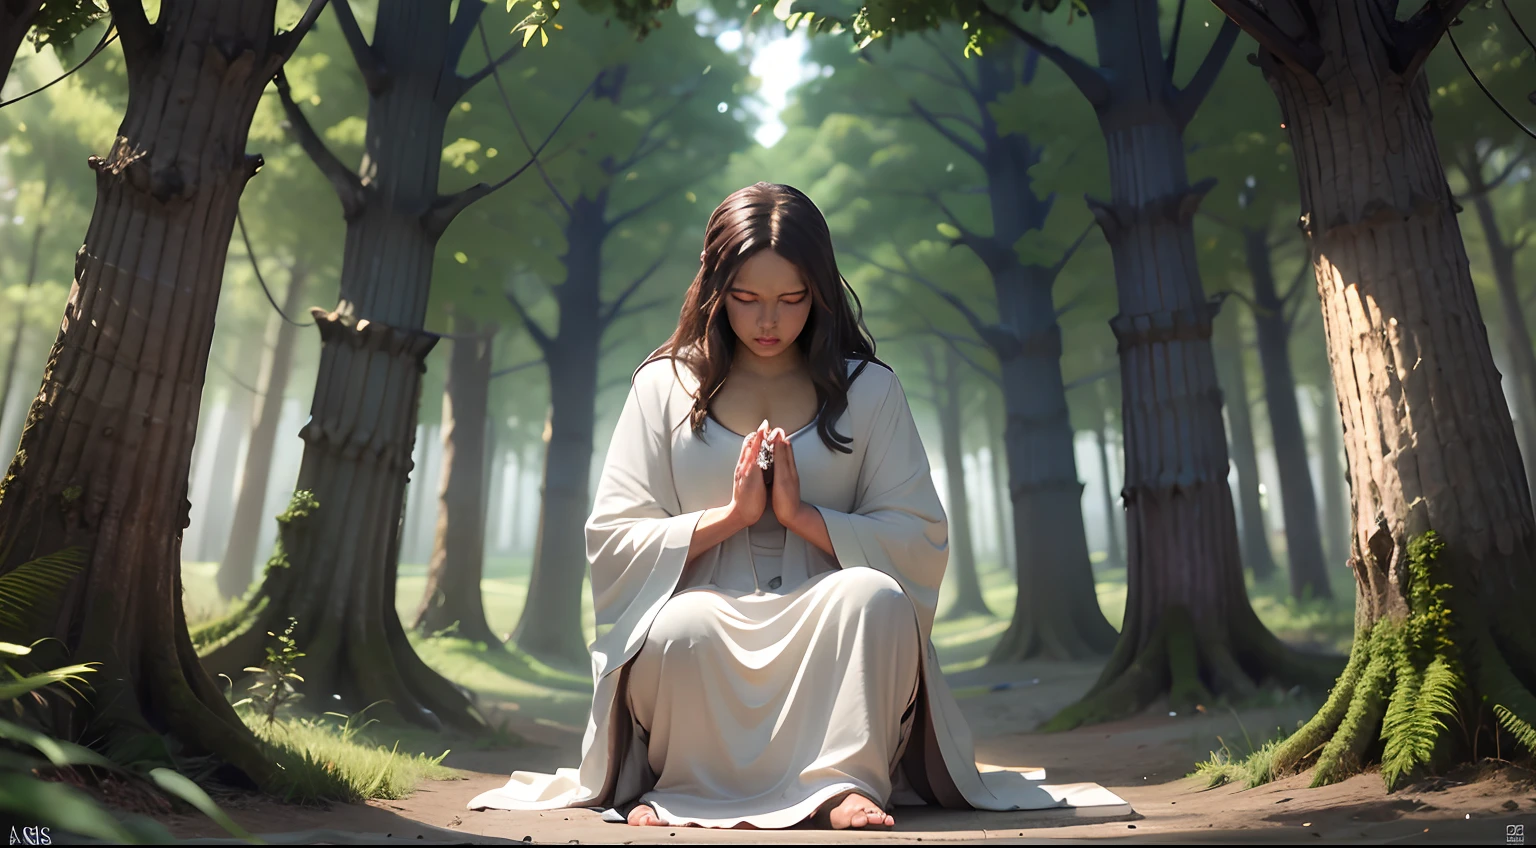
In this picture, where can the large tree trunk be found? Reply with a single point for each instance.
(1189, 631)
(16, 18)
(550, 625)
(340, 538)
(33, 256)
(1517, 334)
(1331, 469)
(1427, 432)
(104, 456)
(235, 569)
(1233, 376)
(458, 550)
(215, 512)
(962, 560)
(1298, 500)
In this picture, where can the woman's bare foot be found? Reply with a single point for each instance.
(857, 811)
(644, 816)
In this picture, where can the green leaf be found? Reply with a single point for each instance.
(12, 689)
(31, 584)
(63, 807)
(58, 752)
(948, 230)
(182, 787)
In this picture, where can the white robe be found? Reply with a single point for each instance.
(882, 512)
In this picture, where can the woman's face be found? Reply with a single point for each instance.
(768, 304)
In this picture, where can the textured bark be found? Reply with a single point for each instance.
(1427, 431)
(550, 624)
(33, 255)
(215, 513)
(236, 568)
(962, 559)
(1517, 334)
(1245, 455)
(16, 18)
(1189, 630)
(340, 556)
(453, 598)
(1298, 500)
(105, 451)
(1331, 469)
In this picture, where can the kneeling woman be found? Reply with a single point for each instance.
(767, 658)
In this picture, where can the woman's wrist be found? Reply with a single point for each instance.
(803, 515)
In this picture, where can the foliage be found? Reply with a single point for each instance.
(27, 588)
(301, 506)
(272, 688)
(59, 21)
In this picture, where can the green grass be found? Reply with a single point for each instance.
(338, 759)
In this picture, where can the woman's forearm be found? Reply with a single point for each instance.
(715, 526)
(810, 525)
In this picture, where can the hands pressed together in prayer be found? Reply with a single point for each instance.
(751, 495)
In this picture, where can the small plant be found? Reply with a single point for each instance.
(273, 687)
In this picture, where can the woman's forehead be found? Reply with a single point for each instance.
(768, 273)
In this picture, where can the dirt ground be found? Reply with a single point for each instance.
(1144, 760)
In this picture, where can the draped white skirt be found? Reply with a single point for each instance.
(759, 708)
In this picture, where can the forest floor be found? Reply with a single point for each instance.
(1146, 760)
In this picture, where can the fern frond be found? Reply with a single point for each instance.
(1411, 728)
(30, 584)
(1519, 728)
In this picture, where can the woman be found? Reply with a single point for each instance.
(763, 655)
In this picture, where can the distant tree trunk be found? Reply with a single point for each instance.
(340, 537)
(33, 255)
(1002, 506)
(420, 522)
(453, 594)
(105, 452)
(550, 624)
(16, 18)
(1335, 498)
(234, 426)
(1115, 554)
(519, 484)
(1517, 335)
(962, 561)
(1298, 500)
(1427, 431)
(1189, 631)
(1233, 374)
(236, 568)
(496, 499)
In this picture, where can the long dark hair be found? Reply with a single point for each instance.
(769, 216)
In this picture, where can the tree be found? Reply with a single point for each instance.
(1020, 252)
(1230, 361)
(1442, 539)
(453, 598)
(126, 367)
(664, 115)
(946, 395)
(56, 23)
(353, 476)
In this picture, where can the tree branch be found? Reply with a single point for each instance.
(1173, 40)
(513, 369)
(932, 120)
(961, 77)
(1066, 255)
(449, 206)
(375, 74)
(1091, 378)
(1302, 54)
(284, 43)
(493, 65)
(642, 150)
(129, 18)
(981, 327)
(1194, 92)
(459, 31)
(1417, 36)
(349, 188)
(951, 341)
(1508, 170)
(1088, 79)
(607, 315)
(535, 332)
(646, 204)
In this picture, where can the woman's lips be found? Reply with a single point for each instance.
(767, 341)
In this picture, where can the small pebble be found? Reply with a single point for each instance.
(1131, 826)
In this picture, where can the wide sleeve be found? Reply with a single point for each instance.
(637, 536)
(897, 524)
